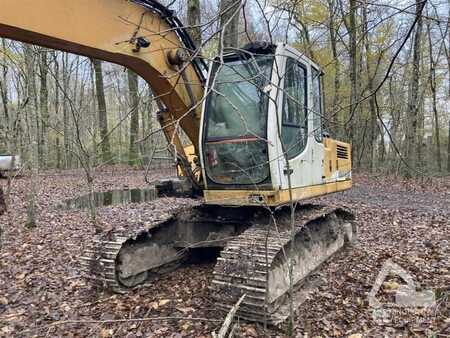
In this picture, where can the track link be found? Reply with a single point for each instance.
(98, 262)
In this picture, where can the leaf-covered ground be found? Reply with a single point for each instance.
(42, 294)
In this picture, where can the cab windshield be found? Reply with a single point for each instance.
(236, 121)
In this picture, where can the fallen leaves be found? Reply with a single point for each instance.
(157, 304)
(105, 333)
(355, 335)
(250, 331)
(391, 286)
(3, 300)
(163, 302)
(40, 283)
(185, 310)
(7, 330)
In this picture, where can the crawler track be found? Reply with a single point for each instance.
(100, 261)
(256, 263)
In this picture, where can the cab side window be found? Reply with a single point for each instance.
(294, 126)
(317, 104)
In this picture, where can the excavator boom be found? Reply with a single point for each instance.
(129, 33)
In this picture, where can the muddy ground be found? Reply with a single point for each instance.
(42, 293)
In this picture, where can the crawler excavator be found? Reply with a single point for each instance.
(256, 149)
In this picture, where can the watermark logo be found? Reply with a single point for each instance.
(407, 298)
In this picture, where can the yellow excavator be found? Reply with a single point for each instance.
(256, 149)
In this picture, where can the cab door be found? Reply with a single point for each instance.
(294, 124)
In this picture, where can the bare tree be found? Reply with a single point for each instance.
(332, 27)
(134, 108)
(412, 143)
(448, 147)
(66, 113)
(55, 70)
(4, 91)
(102, 113)
(370, 87)
(432, 81)
(30, 106)
(352, 31)
(193, 21)
(43, 107)
(229, 23)
(448, 62)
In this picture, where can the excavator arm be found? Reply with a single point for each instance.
(141, 35)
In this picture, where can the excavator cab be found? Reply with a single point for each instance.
(235, 127)
(262, 130)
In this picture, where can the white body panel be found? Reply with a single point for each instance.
(202, 129)
(307, 167)
(274, 143)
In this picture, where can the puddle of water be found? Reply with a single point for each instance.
(112, 197)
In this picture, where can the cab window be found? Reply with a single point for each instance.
(317, 104)
(294, 126)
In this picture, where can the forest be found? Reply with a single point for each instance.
(386, 86)
(97, 142)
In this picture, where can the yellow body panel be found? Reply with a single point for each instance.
(271, 197)
(334, 163)
(192, 158)
(337, 177)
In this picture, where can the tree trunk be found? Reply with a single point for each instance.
(413, 104)
(448, 65)
(43, 105)
(333, 119)
(370, 87)
(353, 67)
(229, 23)
(381, 148)
(2, 203)
(93, 116)
(149, 125)
(448, 147)
(66, 115)
(432, 79)
(448, 60)
(304, 31)
(102, 115)
(58, 119)
(4, 90)
(133, 83)
(193, 19)
(31, 111)
(420, 163)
